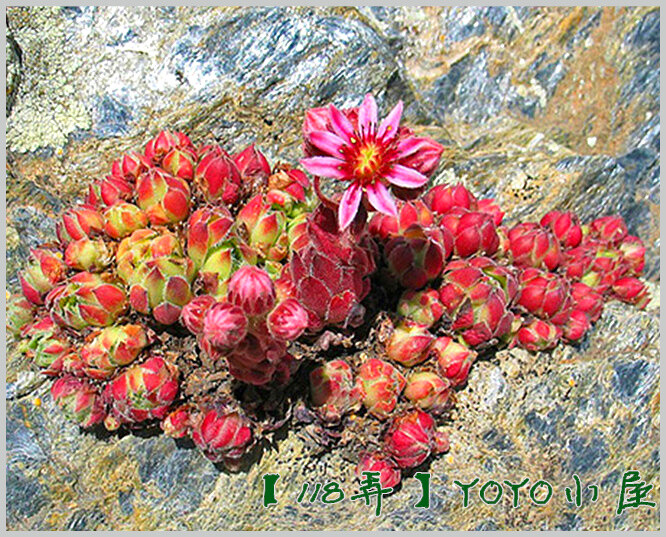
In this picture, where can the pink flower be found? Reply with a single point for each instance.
(368, 154)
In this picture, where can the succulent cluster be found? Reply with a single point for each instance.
(187, 286)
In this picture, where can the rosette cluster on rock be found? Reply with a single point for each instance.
(223, 298)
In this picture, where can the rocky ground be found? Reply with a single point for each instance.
(540, 108)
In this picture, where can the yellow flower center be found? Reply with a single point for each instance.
(367, 161)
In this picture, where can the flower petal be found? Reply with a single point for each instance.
(367, 114)
(349, 204)
(380, 198)
(324, 167)
(341, 125)
(408, 146)
(405, 177)
(327, 142)
(389, 126)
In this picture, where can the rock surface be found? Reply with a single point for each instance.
(541, 108)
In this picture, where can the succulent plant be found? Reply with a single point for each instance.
(252, 290)
(178, 422)
(422, 307)
(141, 392)
(287, 320)
(44, 271)
(164, 198)
(45, 344)
(443, 198)
(410, 438)
(88, 254)
(20, 312)
(264, 274)
(632, 291)
(79, 222)
(109, 191)
(194, 312)
(453, 358)
(123, 219)
(538, 335)
(389, 472)
(475, 302)
(86, 299)
(473, 232)
(379, 384)
(217, 176)
(330, 271)
(565, 226)
(428, 391)
(409, 343)
(333, 391)
(224, 326)
(79, 401)
(545, 295)
(415, 258)
(533, 246)
(113, 347)
(222, 435)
